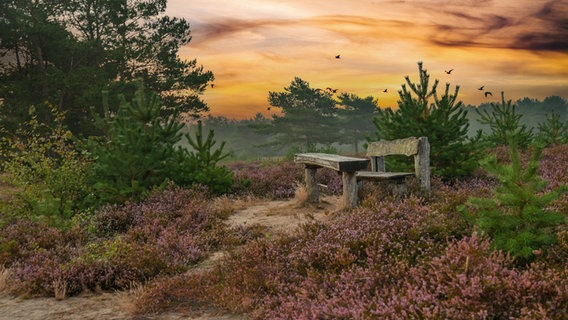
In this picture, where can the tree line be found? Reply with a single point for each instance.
(314, 119)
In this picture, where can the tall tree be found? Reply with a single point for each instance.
(68, 51)
(309, 116)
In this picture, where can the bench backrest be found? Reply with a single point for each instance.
(417, 147)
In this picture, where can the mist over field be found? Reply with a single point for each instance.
(245, 141)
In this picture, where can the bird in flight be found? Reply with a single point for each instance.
(385, 90)
(331, 90)
(487, 93)
(338, 56)
(481, 88)
(212, 85)
(449, 71)
(268, 108)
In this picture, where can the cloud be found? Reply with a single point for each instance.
(552, 17)
(222, 28)
(542, 28)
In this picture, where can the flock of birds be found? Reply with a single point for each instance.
(486, 93)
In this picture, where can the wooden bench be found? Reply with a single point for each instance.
(417, 147)
(348, 166)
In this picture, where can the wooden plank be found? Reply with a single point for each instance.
(371, 175)
(350, 196)
(332, 161)
(311, 185)
(408, 147)
(422, 165)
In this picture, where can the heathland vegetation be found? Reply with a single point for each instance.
(106, 185)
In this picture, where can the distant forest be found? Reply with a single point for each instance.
(246, 140)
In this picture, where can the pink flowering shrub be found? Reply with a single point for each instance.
(279, 180)
(395, 257)
(115, 247)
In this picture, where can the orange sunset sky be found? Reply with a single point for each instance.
(256, 46)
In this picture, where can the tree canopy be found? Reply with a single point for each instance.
(68, 51)
(313, 117)
(308, 115)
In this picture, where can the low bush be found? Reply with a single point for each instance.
(278, 180)
(396, 257)
(114, 247)
(47, 172)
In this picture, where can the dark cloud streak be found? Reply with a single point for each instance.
(214, 30)
(545, 29)
(554, 17)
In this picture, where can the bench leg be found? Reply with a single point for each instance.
(349, 190)
(312, 185)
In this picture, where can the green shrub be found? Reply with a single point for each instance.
(141, 152)
(502, 120)
(517, 216)
(553, 131)
(46, 169)
(204, 161)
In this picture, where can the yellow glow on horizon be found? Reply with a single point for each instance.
(261, 46)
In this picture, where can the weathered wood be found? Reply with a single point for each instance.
(350, 197)
(378, 164)
(332, 161)
(417, 147)
(346, 165)
(422, 164)
(352, 168)
(371, 175)
(408, 147)
(311, 184)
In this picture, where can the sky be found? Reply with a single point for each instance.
(519, 47)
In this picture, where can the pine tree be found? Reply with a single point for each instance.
(309, 117)
(516, 217)
(141, 151)
(356, 118)
(553, 131)
(502, 120)
(444, 122)
(137, 151)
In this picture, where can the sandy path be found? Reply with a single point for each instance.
(279, 216)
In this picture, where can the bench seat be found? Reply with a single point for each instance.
(373, 175)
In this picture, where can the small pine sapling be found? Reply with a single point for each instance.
(200, 166)
(553, 131)
(517, 217)
(502, 120)
(204, 153)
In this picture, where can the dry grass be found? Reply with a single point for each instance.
(127, 299)
(4, 279)
(301, 195)
(60, 289)
(224, 205)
